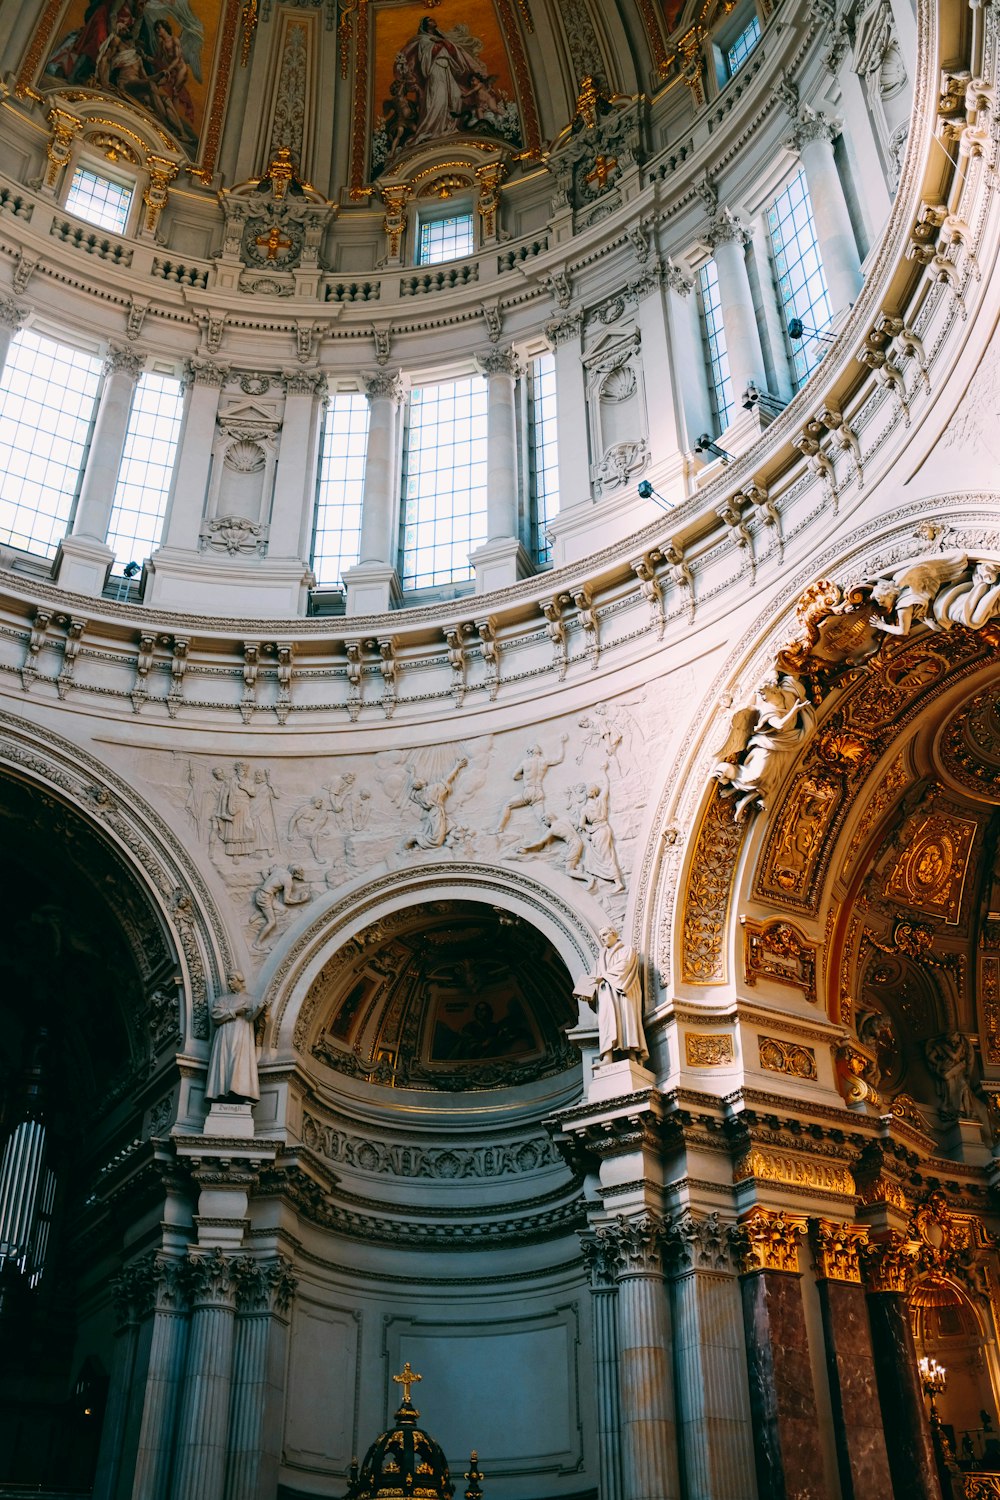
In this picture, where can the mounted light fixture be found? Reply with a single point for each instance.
(646, 492)
(707, 444)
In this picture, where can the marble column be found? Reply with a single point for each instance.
(290, 530)
(600, 1258)
(12, 318)
(167, 1350)
(648, 1438)
(202, 1441)
(713, 1408)
(888, 1271)
(728, 239)
(186, 506)
(813, 136)
(688, 355)
(84, 555)
(787, 1451)
(131, 1290)
(861, 1451)
(263, 1297)
(373, 585)
(503, 560)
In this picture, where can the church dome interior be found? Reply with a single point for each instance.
(500, 749)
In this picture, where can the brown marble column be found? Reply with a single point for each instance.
(787, 1453)
(861, 1452)
(888, 1269)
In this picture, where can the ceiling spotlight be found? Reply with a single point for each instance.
(646, 492)
(707, 444)
(132, 569)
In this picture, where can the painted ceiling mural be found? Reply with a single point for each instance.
(439, 75)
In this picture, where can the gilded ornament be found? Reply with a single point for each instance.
(930, 872)
(779, 1056)
(709, 889)
(989, 996)
(890, 1263)
(708, 1050)
(805, 817)
(837, 1249)
(766, 1241)
(779, 952)
(854, 1068)
(793, 1171)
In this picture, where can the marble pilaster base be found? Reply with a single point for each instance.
(713, 1411)
(861, 1454)
(787, 1452)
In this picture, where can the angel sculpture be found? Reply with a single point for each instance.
(909, 591)
(762, 739)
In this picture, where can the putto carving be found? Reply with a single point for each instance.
(614, 990)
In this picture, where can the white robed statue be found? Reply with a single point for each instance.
(614, 989)
(232, 1065)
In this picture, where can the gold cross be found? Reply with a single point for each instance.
(273, 241)
(407, 1379)
(603, 168)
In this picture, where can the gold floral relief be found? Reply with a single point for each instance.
(708, 1049)
(837, 1248)
(779, 952)
(708, 892)
(779, 1056)
(929, 874)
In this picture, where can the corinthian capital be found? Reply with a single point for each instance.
(12, 314)
(499, 361)
(384, 385)
(813, 125)
(638, 1244)
(124, 359)
(726, 226)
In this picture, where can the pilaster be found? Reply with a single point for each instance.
(373, 585)
(202, 1440)
(264, 1291)
(599, 1257)
(889, 1267)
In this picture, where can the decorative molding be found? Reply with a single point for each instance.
(837, 1248)
(777, 951)
(779, 1056)
(767, 1241)
(708, 1050)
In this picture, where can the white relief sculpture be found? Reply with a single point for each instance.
(265, 821)
(308, 824)
(939, 591)
(600, 856)
(531, 774)
(232, 1063)
(560, 830)
(614, 990)
(761, 741)
(431, 797)
(281, 888)
(233, 821)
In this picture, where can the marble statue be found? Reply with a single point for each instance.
(950, 1058)
(614, 990)
(762, 740)
(531, 774)
(232, 1063)
(287, 886)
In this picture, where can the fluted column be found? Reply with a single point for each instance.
(713, 1410)
(787, 1452)
(600, 1258)
(857, 1424)
(374, 583)
(502, 561)
(813, 136)
(203, 1424)
(728, 239)
(298, 459)
(263, 1297)
(185, 509)
(165, 1371)
(12, 317)
(131, 1290)
(649, 1449)
(888, 1266)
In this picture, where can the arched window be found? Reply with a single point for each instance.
(47, 397)
(146, 470)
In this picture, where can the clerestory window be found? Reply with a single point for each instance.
(717, 357)
(444, 482)
(337, 530)
(99, 200)
(543, 452)
(801, 280)
(147, 467)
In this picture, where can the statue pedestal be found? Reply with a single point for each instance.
(616, 1079)
(963, 1141)
(234, 1121)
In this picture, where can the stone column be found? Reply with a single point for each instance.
(294, 496)
(728, 239)
(665, 444)
(649, 1448)
(600, 1258)
(861, 1454)
(787, 1452)
(263, 1296)
(813, 136)
(713, 1409)
(12, 317)
(503, 560)
(167, 1350)
(565, 334)
(84, 556)
(131, 1290)
(688, 356)
(888, 1270)
(373, 585)
(202, 1442)
(186, 506)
